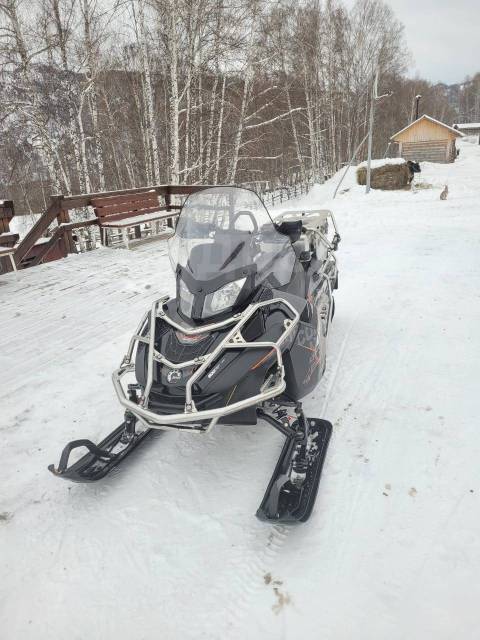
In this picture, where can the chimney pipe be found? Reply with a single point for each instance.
(417, 98)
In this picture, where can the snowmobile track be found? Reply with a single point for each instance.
(245, 577)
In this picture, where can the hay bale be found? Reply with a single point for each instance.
(388, 176)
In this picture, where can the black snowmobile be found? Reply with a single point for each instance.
(245, 338)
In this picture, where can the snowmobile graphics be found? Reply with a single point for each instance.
(244, 338)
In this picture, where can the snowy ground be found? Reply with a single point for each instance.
(23, 224)
(169, 547)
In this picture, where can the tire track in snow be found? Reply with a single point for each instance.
(244, 578)
(245, 575)
(331, 379)
(371, 377)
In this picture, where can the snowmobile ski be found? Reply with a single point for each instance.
(101, 458)
(287, 501)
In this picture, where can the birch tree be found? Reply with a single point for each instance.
(148, 91)
(100, 96)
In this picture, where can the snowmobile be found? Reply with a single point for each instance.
(244, 339)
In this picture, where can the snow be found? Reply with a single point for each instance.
(23, 224)
(168, 547)
(382, 162)
(146, 217)
(468, 125)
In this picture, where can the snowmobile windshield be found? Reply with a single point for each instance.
(226, 240)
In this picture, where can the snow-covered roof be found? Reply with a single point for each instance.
(468, 125)
(425, 117)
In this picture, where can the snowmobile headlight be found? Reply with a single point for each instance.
(222, 298)
(190, 338)
(186, 299)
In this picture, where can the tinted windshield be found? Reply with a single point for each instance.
(225, 229)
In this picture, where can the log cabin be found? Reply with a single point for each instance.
(427, 140)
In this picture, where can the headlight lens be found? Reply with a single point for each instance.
(222, 298)
(186, 299)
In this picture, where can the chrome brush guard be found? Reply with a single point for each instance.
(186, 420)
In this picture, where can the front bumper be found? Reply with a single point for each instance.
(191, 419)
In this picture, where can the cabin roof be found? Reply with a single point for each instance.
(430, 119)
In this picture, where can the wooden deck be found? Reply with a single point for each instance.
(64, 308)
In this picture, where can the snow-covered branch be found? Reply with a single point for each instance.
(275, 119)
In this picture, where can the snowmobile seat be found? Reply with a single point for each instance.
(290, 228)
(293, 229)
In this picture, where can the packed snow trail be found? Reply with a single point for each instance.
(169, 546)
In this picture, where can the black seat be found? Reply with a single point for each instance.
(290, 228)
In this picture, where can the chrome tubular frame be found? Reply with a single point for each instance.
(272, 387)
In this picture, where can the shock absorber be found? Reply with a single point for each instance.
(300, 462)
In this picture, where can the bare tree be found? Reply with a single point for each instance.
(265, 92)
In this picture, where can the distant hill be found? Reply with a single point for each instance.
(464, 97)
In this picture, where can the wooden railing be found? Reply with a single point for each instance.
(7, 211)
(58, 210)
(60, 239)
(7, 238)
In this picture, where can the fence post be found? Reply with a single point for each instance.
(67, 237)
(168, 203)
(7, 239)
(6, 214)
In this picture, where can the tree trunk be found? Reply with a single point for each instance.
(148, 94)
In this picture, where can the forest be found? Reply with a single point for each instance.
(100, 95)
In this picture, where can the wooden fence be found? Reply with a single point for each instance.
(282, 194)
(7, 211)
(59, 240)
(7, 238)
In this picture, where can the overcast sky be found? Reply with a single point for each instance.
(442, 35)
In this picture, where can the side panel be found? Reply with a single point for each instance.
(305, 362)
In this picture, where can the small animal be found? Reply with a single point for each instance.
(413, 168)
(444, 194)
